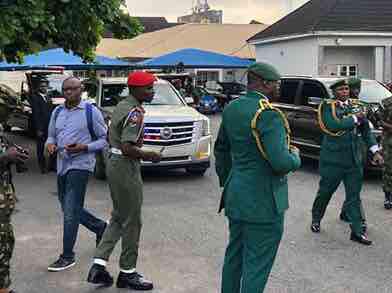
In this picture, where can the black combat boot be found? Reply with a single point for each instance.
(133, 281)
(100, 276)
(388, 201)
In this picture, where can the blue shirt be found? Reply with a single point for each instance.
(71, 127)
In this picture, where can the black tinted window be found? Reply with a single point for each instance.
(288, 90)
(312, 89)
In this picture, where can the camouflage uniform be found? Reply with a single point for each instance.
(387, 147)
(7, 204)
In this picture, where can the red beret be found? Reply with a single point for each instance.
(141, 78)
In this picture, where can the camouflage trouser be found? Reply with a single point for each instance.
(7, 242)
(387, 172)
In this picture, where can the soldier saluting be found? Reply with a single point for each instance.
(253, 156)
(341, 158)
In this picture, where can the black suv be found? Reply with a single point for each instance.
(299, 99)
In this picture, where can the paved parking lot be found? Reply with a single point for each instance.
(183, 238)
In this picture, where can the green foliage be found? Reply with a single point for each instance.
(28, 26)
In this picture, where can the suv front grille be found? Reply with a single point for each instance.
(169, 133)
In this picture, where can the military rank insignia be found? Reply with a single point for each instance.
(134, 117)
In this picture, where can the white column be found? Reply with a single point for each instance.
(320, 60)
(388, 64)
(379, 53)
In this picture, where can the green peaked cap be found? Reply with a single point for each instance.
(354, 83)
(265, 71)
(338, 83)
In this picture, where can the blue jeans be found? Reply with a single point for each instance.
(71, 191)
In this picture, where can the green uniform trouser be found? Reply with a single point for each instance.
(331, 177)
(363, 216)
(125, 183)
(7, 242)
(387, 170)
(250, 255)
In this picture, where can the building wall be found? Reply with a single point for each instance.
(295, 57)
(362, 57)
(379, 59)
(317, 55)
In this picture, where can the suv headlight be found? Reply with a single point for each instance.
(205, 127)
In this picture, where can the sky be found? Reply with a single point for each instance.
(234, 11)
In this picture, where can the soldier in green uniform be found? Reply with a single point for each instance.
(355, 89)
(8, 155)
(386, 114)
(253, 156)
(125, 182)
(341, 158)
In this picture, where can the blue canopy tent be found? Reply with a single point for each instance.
(195, 58)
(69, 61)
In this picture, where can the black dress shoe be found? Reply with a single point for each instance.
(133, 281)
(360, 239)
(100, 276)
(315, 227)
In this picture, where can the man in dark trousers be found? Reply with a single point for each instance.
(42, 109)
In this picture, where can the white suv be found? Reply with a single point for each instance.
(170, 123)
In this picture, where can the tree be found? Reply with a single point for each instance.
(28, 26)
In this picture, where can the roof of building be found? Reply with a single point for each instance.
(333, 15)
(152, 24)
(229, 39)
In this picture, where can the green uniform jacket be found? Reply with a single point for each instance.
(255, 190)
(345, 150)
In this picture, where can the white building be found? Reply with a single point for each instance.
(331, 38)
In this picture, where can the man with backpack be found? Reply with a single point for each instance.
(76, 132)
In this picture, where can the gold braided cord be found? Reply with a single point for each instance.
(333, 110)
(321, 122)
(266, 105)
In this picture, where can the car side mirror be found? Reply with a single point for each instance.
(314, 101)
(189, 100)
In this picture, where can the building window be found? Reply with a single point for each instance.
(80, 74)
(348, 70)
(206, 76)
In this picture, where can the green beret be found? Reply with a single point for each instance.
(265, 71)
(338, 83)
(354, 83)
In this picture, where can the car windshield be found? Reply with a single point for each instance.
(371, 91)
(164, 95)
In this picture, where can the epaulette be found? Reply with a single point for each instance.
(265, 105)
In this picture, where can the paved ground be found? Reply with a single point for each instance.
(183, 239)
